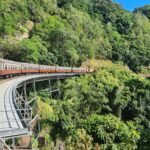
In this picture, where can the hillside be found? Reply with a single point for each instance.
(67, 32)
(106, 110)
(145, 10)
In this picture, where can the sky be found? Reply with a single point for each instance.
(132, 4)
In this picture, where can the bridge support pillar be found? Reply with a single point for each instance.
(58, 85)
(13, 143)
(25, 92)
(53, 88)
(50, 90)
(34, 88)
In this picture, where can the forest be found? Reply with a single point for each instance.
(106, 110)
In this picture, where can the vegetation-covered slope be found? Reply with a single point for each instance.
(67, 32)
(144, 10)
(105, 110)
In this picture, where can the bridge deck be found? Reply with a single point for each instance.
(10, 123)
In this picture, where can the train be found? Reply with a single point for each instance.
(12, 68)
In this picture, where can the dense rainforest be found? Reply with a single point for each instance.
(106, 110)
(67, 32)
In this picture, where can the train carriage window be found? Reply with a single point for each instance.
(5, 66)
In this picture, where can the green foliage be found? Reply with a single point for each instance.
(108, 109)
(105, 10)
(144, 70)
(45, 111)
(143, 10)
(70, 31)
(111, 133)
(29, 50)
(108, 86)
(84, 141)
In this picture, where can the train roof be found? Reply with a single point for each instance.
(31, 64)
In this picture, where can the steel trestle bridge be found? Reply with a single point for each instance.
(16, 114)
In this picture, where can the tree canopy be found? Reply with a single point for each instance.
(70, 31)
(108, 109)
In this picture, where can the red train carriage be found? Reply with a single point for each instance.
(29, 68)
(47, 69)
(8, 67)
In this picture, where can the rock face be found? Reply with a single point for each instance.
(27, 27)
(25, 141)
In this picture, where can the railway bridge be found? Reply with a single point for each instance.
(16, 114)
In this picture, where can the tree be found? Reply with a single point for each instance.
(111, 133)
(143, 10)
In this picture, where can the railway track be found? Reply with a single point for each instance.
(2, 81)
(5, 80)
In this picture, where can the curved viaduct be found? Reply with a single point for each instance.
(15, 118)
